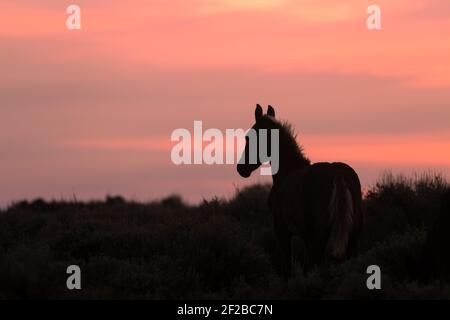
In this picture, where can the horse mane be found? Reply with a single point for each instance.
(288, 134)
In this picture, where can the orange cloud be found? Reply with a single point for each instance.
(271, 35)
(142, 68)
(413, 150)
(149, 144)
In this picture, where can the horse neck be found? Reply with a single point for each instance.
(291, 159)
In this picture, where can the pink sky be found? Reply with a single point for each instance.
(90, 112)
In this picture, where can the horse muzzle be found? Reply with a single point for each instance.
(243, 171)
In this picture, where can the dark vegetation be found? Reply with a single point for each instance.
(217, 249)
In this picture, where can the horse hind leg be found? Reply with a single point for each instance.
(285, 252)
(300, 254)
(340, 219)
(354, 246)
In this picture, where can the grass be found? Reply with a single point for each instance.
(217, 249)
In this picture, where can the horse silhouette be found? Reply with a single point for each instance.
(320, 203)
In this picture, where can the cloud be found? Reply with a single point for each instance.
(276, 36)
(92, 108)
(220, 6)
(139, 144)
(407, 150)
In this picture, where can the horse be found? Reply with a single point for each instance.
(320, 203)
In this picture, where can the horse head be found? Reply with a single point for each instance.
(251, 158)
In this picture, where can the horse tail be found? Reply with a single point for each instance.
(340, 219)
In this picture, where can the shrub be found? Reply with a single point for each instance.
(168, 249)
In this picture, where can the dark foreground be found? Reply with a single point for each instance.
(215, 250)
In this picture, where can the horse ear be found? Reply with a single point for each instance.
(271, 111)
(258, 112)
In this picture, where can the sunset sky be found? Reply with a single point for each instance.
(90, 112)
